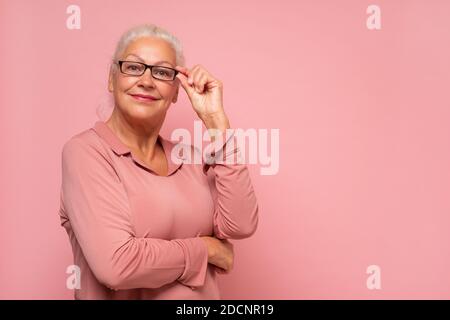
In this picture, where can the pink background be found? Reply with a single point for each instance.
(364, 136)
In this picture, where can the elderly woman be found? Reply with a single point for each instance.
(143, 224)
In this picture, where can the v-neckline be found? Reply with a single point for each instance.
(105, 132)
(166, 172)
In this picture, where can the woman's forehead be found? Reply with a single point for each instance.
(150, 50)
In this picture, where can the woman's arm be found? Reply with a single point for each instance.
(236, 212)
(98, 209)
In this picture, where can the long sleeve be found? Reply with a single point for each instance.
(236, 211)
(99, 212)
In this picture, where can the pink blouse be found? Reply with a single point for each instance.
(135, 234)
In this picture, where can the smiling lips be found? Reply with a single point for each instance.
(142, 97)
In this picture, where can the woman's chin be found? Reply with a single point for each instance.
(145, 113)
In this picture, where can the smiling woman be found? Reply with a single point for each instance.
(134, 88)
(141, 225)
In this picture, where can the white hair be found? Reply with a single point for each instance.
(149, 30)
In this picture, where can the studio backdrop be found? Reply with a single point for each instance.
(346, 111)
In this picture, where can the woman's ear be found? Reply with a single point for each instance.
(110, 79)
(175, 96)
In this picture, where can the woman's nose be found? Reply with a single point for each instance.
(147, 78)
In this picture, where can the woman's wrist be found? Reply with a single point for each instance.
(209, 246)
(217, 120)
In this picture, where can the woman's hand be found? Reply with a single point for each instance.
(205, 93)
(220, 253)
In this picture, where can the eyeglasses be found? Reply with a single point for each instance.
(134, 68)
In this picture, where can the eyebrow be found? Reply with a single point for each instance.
(156, 63)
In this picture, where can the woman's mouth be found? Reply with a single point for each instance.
(143, 98)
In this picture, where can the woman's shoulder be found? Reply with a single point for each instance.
(84, 144)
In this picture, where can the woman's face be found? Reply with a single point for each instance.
(149, 50)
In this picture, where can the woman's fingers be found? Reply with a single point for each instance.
(197, 77)
(194, 72)
(184, 83)
(186, 77)
(202, 80)
(183, 70)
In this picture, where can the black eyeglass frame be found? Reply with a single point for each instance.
(147, 66)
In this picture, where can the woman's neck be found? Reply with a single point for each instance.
(139, 137)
